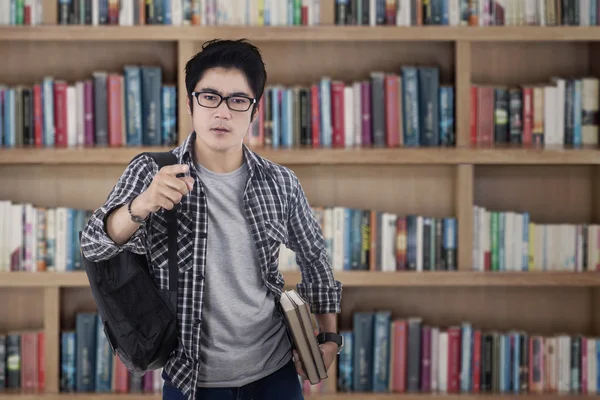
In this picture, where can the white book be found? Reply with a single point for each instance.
(16, 238)
(72, 112)
(435, 363)
(419, 244)
(51, 239)
(549, 110)
(389, 234)
(592, 366)
(61, 239)
(348, 116)
(356, 113)
(454, 12)
(338, 238)
(5, 226)
(443, 362)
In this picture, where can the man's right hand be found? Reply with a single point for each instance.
(166, 189)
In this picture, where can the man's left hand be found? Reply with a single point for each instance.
(329, 352)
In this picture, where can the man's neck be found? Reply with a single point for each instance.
(219, 162)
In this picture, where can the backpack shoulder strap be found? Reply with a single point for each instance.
(164, 158)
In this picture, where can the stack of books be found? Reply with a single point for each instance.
(300, 328)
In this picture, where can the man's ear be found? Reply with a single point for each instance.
(188, 104)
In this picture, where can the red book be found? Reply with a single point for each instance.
(38, 116)
(337, 113)
(476, 366)
(392, 128)
(41, 378)
(121, 376)
(473, 116)
(454, 358)
(115, 131)
(60, 113)
(315, 116)
(398, 361)
(29, 360)
(485, 115)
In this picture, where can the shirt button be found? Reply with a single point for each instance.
(202, 235)
(198, 321)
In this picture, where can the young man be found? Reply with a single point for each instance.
(235, 210)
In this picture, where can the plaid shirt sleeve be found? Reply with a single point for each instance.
(305, 238)
(96, 245)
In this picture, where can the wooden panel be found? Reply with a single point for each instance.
(551, 194)
(72, 302)
(52, 338)
(27, 63)
(185, 51)
(516, 63)
(352, 61)
(427, 190)
(462, 93)
(486, 308)
(78, 187)
(308, 156)
(464, 213)
(21, 309)
(331, 33)
(462, 279)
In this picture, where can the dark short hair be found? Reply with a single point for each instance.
(238, 54)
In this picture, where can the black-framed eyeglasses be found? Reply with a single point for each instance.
(214, 100)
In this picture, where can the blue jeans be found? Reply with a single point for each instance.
(281, 384)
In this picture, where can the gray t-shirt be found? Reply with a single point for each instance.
(243, 336)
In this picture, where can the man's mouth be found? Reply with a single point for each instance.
(220, 130)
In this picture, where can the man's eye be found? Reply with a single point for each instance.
(240, 100)
(209, 97)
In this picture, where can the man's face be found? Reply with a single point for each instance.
(221, 128)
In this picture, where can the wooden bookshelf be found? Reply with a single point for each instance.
(339, 396)
(556, 185)
(457, 279)
(309, 156)
(324, 33)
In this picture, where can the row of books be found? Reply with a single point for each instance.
(189, 12)
(375, 240)
(466, 12)
(37, 239)
(511, 241)
(388, 353)
(560, 112)
(409, 108)
(21, 12)
(22, 360)
(107, 109)
(89, 365)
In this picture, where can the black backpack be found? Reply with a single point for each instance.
(139, 319)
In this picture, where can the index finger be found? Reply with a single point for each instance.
(175, 169)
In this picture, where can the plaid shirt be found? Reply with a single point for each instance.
(277, 212)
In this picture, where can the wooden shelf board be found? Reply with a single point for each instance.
(297, 33)
(338, 396)
(359, 279)
(309, 156)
